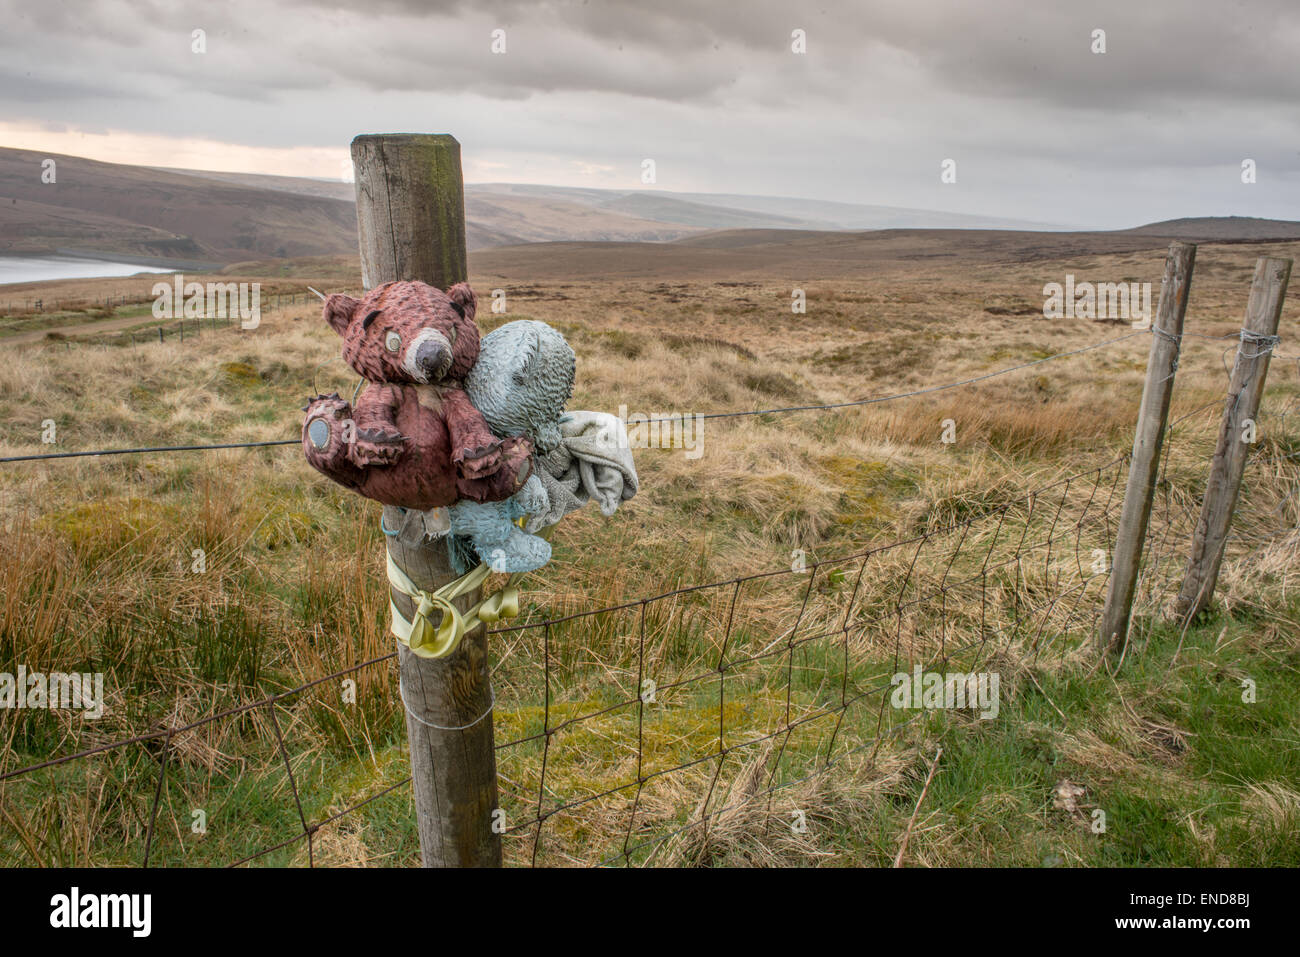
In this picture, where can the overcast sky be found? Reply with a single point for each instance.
(1040, 127)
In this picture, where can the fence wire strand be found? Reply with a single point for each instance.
(161, 449)
(971, 562)
(1012, 578)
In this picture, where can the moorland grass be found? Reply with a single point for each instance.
(98, 574)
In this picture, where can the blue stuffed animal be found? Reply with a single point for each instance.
(521, 381)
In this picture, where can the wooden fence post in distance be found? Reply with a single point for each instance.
(1166, 336)
(1263, 312)
(411, 225)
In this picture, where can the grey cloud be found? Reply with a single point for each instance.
(1042, 128)
(1156, 51)
(679, 50)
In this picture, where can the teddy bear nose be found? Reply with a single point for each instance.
(432, 359)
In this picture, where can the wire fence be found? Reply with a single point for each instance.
(188, 328)
(810, 654)
(643, 731)
(801, 656)
(873, 400)
(35, 305)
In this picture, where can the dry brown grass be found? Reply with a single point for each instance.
(102, 547)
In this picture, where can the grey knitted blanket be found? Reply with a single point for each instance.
(592, 463)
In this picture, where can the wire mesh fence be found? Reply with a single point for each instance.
(633, 733)
(68, 320)
(626, 732)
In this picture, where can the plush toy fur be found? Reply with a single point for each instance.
(521, 382)
(414, 438)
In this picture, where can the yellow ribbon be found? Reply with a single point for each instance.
(499, 605)
(437, 641)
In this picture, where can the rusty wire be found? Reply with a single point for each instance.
(1096, 496)
(1090, 494)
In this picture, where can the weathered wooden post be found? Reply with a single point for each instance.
(411, 225)
(1162, 362)
(1236, 433)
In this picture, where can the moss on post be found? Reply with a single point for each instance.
(413, 179)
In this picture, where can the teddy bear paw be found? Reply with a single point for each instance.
(517, 459)
(479, 462)
(376, 447)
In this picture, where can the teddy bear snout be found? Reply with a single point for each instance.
(430, 358)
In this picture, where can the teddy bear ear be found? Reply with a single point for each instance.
(463, 299)
(339, 310)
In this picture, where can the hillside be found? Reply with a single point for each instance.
(168, 215)
(1223, 228)
(134, 211)
(185, 217)
(493, 217)
(734, 211)
(806, 254)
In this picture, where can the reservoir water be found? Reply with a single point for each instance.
(38, 268)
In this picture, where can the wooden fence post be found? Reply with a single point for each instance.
(1166, 336)
(1263, 312)
(411, 225)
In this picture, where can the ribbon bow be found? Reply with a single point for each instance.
(429, 641)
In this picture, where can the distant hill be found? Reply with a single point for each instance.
(325, 188)
(137, 212)
(734, 211)
(806, 255)
(1222, 229)
(832, 215)
(172, 216)
(492, 217)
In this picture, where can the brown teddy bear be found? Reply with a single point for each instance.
(413, 439)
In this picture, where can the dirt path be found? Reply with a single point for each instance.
(81, 329)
